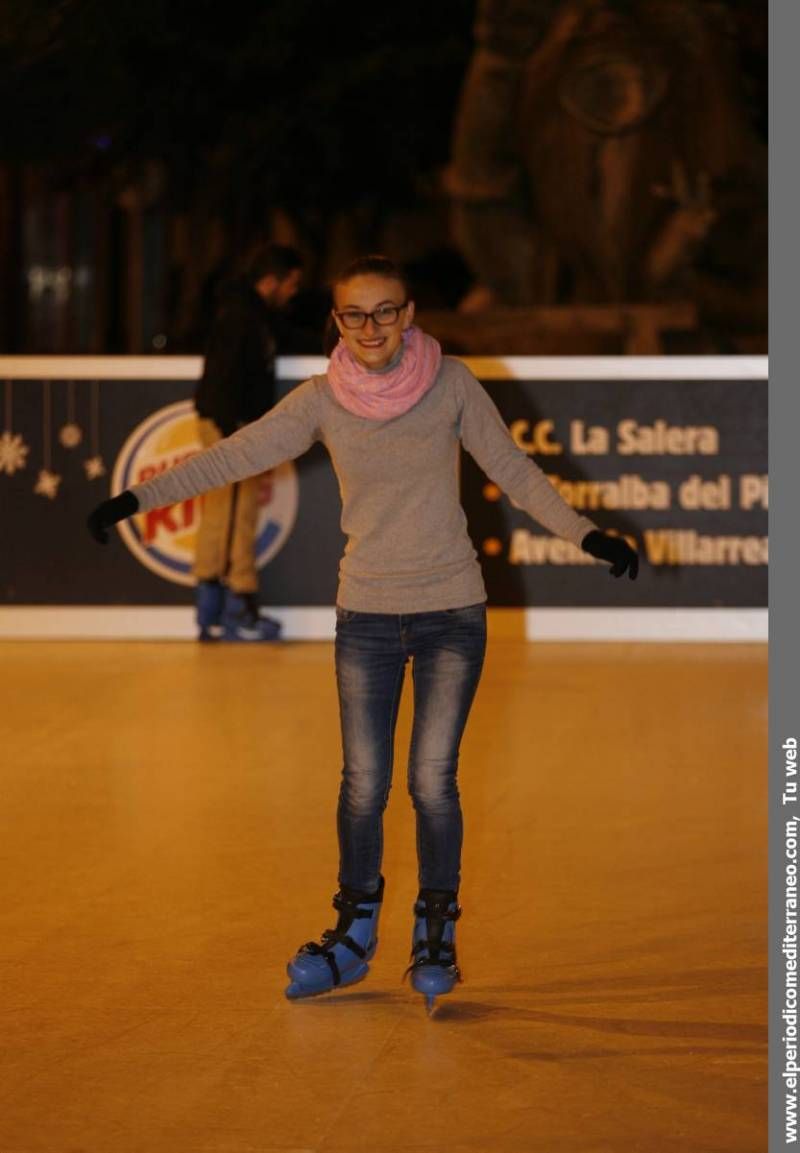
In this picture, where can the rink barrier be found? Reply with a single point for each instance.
(545, 623)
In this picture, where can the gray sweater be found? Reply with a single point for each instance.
(408, 549)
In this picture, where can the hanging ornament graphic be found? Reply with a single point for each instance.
(70, 434)
(48, 481)
(13, 452)
(47, 484)
(13, 449)
(93, 465)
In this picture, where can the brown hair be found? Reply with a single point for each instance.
(372, 265)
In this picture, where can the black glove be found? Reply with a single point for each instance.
(109, 512)
(613, 549)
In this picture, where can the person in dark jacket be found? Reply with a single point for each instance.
(236, 388)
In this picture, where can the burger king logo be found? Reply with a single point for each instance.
(164, 539)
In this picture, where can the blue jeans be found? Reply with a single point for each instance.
(447, 650)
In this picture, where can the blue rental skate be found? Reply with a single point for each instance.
(342, 957)
(242, 620)
(209, 601)
(433, 966)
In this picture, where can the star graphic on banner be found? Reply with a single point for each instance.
(13, 452)
(47, 484)
(94, 467)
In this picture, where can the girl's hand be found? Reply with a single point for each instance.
(613, 549)
(109, 512)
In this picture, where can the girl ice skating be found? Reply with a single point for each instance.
(392, 412)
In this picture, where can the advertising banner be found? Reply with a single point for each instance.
(124, 431)
(677, 465)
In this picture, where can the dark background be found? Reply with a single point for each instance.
(146, 147)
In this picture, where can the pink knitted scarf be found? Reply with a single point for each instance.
(384, 394)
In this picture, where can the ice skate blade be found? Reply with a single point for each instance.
(298, 992)
(430, 1005)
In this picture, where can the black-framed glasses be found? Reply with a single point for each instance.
(384, 314)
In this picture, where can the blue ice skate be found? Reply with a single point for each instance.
(433, 966)
(243, 621)
(209, 601)
(342, 957)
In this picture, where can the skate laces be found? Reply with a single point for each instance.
(348, 911)
(439, 952)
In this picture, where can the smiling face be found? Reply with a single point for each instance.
(374, 345)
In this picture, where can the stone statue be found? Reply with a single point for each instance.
(600, 155)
